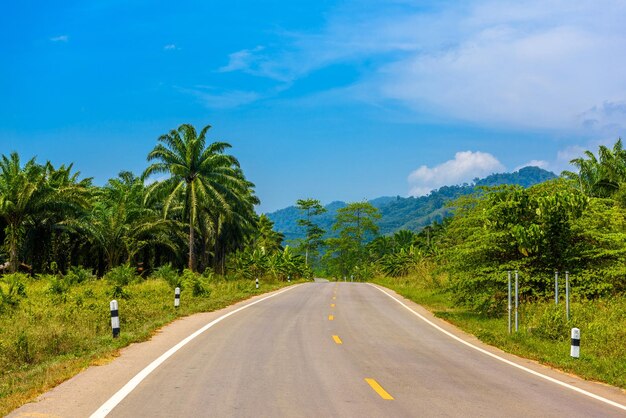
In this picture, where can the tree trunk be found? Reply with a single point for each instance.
(191, 246)
(13, 241)
(13, 255)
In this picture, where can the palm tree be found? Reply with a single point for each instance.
(234, 228)
(202, 177)
(267, 238)
(120, 224)
(33, 194)
(601, 176)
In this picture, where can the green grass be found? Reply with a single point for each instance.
(50, 335)
(544, 332)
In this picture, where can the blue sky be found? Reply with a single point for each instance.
(337, 100)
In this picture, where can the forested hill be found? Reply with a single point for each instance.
(408, 212)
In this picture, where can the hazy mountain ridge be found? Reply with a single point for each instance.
(408, 212)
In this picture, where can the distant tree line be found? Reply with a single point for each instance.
(574, 223)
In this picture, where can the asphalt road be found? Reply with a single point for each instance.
(342, 350)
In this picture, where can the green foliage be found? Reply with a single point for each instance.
(267, 239)
(549, 322)
(604, 176)
(400, 263)
(405, 213)
(313, 237)
(122, 275)
(251, 264)
(118, 291)
(169, 274)
(208, 184)
(12, 290)
(22, 349)
(195, 282)
(43, 342)
(58, 286)
(79, 274)
(355, 224)
(35, 194)
(544, 331)
(535, 231)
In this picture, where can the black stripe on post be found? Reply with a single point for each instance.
(575, 343)
(114, 313)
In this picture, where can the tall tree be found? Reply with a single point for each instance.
(266, 238)
(313, 239)
(120, 223)
(601, 176)
(355, 223)
(32, 193)
(201, 176)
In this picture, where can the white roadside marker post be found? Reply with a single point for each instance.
(509, 299)
(257, 282)
(288, 279)
(115, 319)
(177, 297)
(575, 348)
(352, 277)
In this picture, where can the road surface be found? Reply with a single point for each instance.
(329, 350)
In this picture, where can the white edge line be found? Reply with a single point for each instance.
(510, 363)
(114, 400)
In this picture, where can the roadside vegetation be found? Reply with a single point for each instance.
(188, 221)
(70, 247)
(458, 267)
(54, 326)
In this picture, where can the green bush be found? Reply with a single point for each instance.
(58, 286)
(122, 275)
(79, 274)
(169, 274)
(549, 322)
(12, 290)
(199, 285)
(118, 292)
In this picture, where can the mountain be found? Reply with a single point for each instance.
(412, 213)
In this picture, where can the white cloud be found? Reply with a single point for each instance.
(465, 166)
(244, 60)
(525, 63)
(170, 47)
(221, 100)
(60, 38)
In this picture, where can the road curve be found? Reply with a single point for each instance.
(344, 350)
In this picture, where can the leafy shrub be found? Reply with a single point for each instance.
(22, 349)
(79, 274)
(12, 290)
(194, 281)
(549, 322)
(169, 274)
(58, 285)
(121, 275)
(118, 292)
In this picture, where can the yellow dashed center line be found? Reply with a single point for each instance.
(331, 317)
(332, 305)
(379, 389)
(334, 297)
(337, 339)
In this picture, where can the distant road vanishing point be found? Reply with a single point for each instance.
(322, 350)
